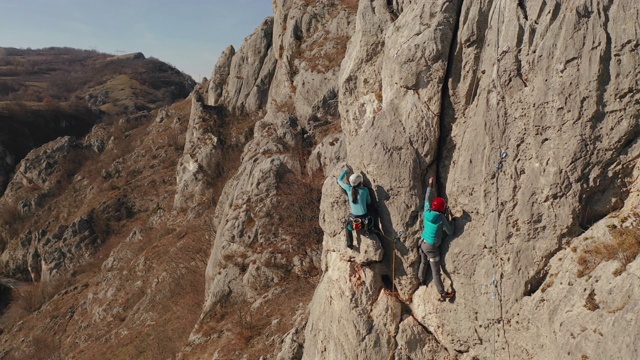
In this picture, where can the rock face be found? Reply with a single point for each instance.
(39, 254)
(554, 94)
(418, 77)
(241, 79)
(202, 153)
(483, 95)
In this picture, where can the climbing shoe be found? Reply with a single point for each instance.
(446, 296)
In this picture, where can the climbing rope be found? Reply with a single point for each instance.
(501, 118)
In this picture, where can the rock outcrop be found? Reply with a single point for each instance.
(480, 94)
(38, 253)
(553, 94)
(242, 79)
(202, 153)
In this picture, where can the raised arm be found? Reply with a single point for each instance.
(344, 185)
(428, 197)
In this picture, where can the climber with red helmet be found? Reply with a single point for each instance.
(359, 198)
(434, 223)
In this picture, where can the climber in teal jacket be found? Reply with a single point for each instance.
(359, 198)
(434, 223)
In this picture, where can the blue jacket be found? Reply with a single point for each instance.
(364, 198)
(434, 222)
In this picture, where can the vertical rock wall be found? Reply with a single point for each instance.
(553, 87)
(526, 111)
(390, 95)
(241, 79)
(201, 156)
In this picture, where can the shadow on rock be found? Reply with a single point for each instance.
(459, 224)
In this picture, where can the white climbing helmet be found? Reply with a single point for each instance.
(355, 179)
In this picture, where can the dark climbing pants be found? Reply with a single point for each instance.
(431, 254)
(348, 235)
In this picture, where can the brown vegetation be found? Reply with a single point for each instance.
(624, 247)
(53, 92)
(300, 200)
(30, 298)
(141, 164)
(240, 330)
(323, 54)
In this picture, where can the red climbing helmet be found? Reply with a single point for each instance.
(439, 204)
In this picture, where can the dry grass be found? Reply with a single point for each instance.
(31, 298)
(285, 107)
(322, 132)
(10, 222)
(624, 247)
(300, 201)
(324, 54)
(176, 254)
(61, 74)
(349, 5)
(378, 95)
(45, 347)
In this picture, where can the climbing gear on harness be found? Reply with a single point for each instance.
(360, 222)
(355, 179)
(357, 224)
(438, 204)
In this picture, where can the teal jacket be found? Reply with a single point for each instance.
(360, 206)
(434, 222)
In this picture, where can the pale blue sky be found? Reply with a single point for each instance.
(189, 34)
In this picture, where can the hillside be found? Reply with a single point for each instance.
(47, 93)
(64, 74)
(213, 228)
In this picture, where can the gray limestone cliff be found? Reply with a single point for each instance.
(527, 113)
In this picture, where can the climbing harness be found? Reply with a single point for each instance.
(359, 222)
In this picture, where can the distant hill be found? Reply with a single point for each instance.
(65, 74)
(52, 92)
